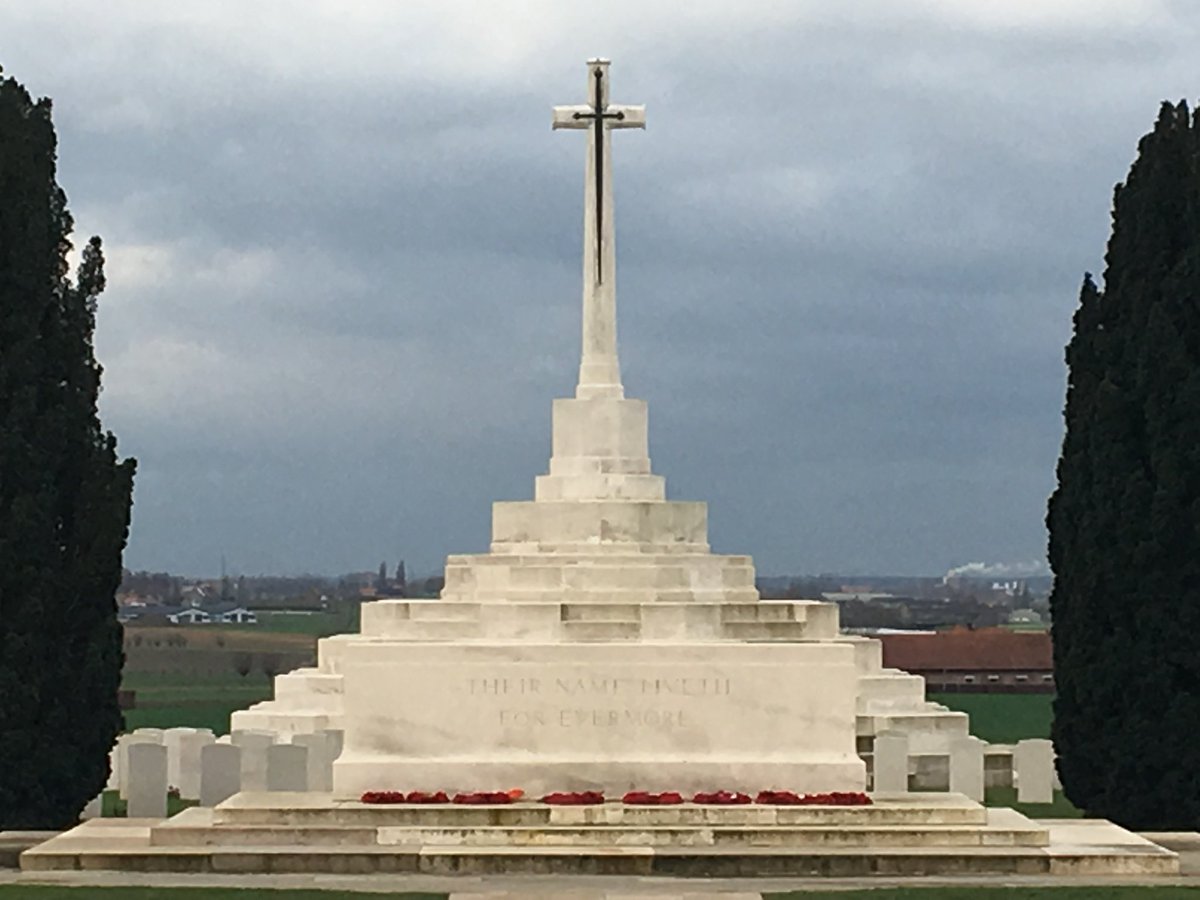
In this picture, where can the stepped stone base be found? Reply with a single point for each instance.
(313, 699)
(900, 835)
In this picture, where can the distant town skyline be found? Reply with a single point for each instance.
(344, 261)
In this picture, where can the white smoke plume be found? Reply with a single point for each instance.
(1029, 569)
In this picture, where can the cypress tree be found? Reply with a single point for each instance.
(64, 496)
(1124, 521)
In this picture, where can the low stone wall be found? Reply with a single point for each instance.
(931, 771)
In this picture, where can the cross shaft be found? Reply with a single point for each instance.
(599, 369)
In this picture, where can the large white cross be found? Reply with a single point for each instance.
(599, 370)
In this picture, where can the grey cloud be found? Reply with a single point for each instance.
(850, 245)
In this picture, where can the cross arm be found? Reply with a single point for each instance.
(567, 117)
(631, 117)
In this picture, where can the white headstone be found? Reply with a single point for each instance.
(891, 762)
(220, 772)
(93, 809)
(114, 773)
(124, 742)
(1033, 771)
(254, 746)
(186, 775)
(287, 767)
(966, 767)
(337, 738)
(147, 781)
(320, 759)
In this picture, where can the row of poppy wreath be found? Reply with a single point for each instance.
(633, 798)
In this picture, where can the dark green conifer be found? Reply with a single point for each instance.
(1124, 520)
(64, 496)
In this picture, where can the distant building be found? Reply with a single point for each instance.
(986, 660)
(1025, 617)
(189, 616)
(231, 614)
(220, 613)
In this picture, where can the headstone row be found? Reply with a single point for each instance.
(1033, 767)
(147, 763)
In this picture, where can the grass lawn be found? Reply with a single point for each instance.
(999, 893)
(112, 806)
(166, 701)
(1061, 808)
(47, 892)
(318, 624)
(1003, 718)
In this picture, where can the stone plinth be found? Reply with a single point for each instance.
(612, 717)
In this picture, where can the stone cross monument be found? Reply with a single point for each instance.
(599, 371)
(599, 644)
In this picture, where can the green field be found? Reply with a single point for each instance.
(1003, 718)
(318, 624)
(1061, 808)
(167, 701)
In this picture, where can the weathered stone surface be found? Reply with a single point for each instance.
(287, 767)
(183, 758)
(321, 754)
(966, 767)
(891, 762)
(124, 742)
(147, 781)
(614, 717)
(220, 772)
(254, 746)
(1033, 770)
(896, 838)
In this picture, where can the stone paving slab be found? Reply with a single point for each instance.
(14, 843)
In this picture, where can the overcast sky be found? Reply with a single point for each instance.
(344, 274)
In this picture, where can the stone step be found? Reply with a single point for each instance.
(14, 843)
(194, 828)
(761, 612)
(712, 570)
(891, 691)
(443, 610)
(913, 810)
(599, 555)
(716, 836)
(267, 715)
(607, 595)
(429, 630)
(1003, 828)
(123, 845)
(585, 550)
(601, 631)
(601, 612)
(929, 729)
(766, 631)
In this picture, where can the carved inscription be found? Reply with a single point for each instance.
(595, 701)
